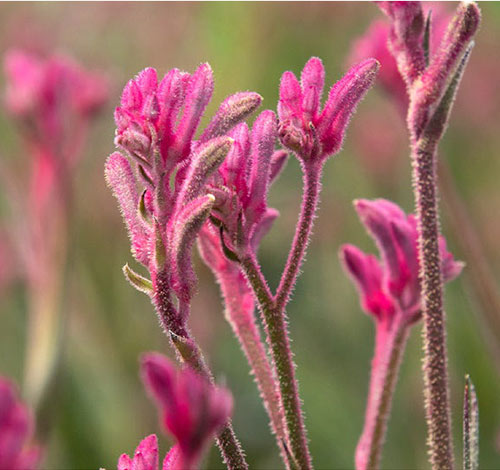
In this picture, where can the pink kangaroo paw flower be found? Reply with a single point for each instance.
(191, 408)
(315, 135)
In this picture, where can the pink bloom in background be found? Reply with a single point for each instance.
(192, 409)
(391, 285)
(314, 134)
(54, 98)
(389, 290)
(16, 431)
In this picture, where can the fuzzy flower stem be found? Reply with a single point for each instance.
(189, 353)
(390, 349)
(435, 363)
(279, 342)
(249, 337)
(310, 198)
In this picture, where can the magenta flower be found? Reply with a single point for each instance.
(314, 134)
(156, 123)
(16, 431)
(392, 284)
(146, 457)
(241, 184)
(390, 291)
(192, 409)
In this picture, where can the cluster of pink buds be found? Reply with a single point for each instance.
(156, 124)
(428, 76)
(391, 287)
(314, 134)
(16, 430)
(192, 410)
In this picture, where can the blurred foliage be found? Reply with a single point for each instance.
(102, 409)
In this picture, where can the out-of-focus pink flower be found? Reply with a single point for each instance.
(54, 98)
(192, 409)
(391, 286)
(146, 457)
(374, 44)
(314, 134)
(156, 124)
(16, 431)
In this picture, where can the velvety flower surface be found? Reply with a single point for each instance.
(163, 196)
(16, 431)
(311, 132)
(192, 410)
(391, 284)
(241, 184)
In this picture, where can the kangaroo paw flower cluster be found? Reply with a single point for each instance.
(315, 134)
(391, 286)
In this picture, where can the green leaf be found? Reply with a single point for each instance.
(143, 210)
(139, 282)
(426, 38)
(470, 427)
(439, 120)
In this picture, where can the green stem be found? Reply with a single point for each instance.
(277, 335)
(389, 350)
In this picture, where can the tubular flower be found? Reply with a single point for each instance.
(192, 409)
(392, 284)
(241, 184)
(16, 430)
(314, 134)
(163, 199)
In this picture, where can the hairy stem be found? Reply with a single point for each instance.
(240, 315)
(310, 198)
(389, 350)
(434, 333)
(277, 336)
(189, 353)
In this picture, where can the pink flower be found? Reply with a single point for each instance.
(54, 98)
(241, 184)
(156, 124)
(16, 430)
(146, 457)
(314, 134)
(192, 409)
(392, 284)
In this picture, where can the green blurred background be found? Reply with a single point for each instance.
(102, 409)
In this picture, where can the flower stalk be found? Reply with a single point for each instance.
(389, 350)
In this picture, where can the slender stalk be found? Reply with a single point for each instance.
(189, 352)
(277, 335)
(240, 315)
(389, 350)
(310, 198)
(434, 334)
